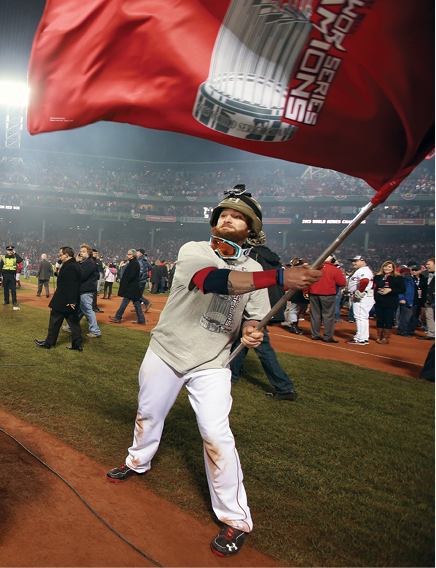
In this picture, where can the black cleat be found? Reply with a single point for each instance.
(292, 395)
(229, 542)
(119, 474)
(78, 348)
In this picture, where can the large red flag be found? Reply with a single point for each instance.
(340, 84)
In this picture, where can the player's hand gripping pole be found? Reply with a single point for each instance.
(315, 266)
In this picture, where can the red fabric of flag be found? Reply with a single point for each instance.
(340, 84)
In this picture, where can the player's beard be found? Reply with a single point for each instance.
(235, 236)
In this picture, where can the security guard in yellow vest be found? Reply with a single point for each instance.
(8, 267)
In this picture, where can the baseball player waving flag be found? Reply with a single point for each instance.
(217, 287)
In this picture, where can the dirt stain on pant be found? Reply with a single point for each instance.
(134, 462)
(213, 453)
(140, 422)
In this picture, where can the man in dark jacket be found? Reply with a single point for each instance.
(130, 289)
(65, 303)
(269, 260)
(99, 275)
(8, 267)
(429, 301)
(284, 387)
(406, 300)
(44, 274)
(154, 278)
(419, 299)
(163, 276)
(144, 275)
(88, 286)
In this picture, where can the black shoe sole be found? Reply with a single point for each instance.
(120, 480)
(223, 555)
(44, 346)
(271, 396)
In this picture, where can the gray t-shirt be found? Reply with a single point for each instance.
(195, 330)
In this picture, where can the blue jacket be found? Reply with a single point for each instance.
(145, 267)
(409, 294)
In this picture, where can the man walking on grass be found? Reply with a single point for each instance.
(145, 268)
(130, 289)
(44, 274)
(65, 303)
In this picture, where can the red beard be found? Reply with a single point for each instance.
(235, 236)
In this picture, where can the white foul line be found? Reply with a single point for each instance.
(354, 351)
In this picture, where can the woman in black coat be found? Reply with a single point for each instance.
(388, 284)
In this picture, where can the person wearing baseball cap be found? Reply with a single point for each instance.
(361, 298)
(358, 258)
(8, 267)
(217, 290)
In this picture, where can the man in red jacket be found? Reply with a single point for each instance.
(323, 301)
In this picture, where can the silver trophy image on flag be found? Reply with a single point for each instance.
(254, 56)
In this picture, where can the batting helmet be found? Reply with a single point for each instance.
(238, 199)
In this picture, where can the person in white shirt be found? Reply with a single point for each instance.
(360, 287)
(217, 290)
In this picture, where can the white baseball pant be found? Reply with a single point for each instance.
(209, 395)
(361, 311)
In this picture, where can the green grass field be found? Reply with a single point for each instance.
(344, 476)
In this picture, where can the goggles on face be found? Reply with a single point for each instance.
(225, 249)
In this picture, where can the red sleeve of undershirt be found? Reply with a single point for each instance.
(363, 284)
(199, 278)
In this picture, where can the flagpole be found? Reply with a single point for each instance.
(365, 211)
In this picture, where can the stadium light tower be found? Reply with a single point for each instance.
(15, 97)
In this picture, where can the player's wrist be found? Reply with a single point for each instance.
(252, 323)
(268, 278)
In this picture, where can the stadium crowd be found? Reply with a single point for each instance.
(115, 207)
(29, 245)
(177, 181)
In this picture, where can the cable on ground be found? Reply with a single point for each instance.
(83, 501)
